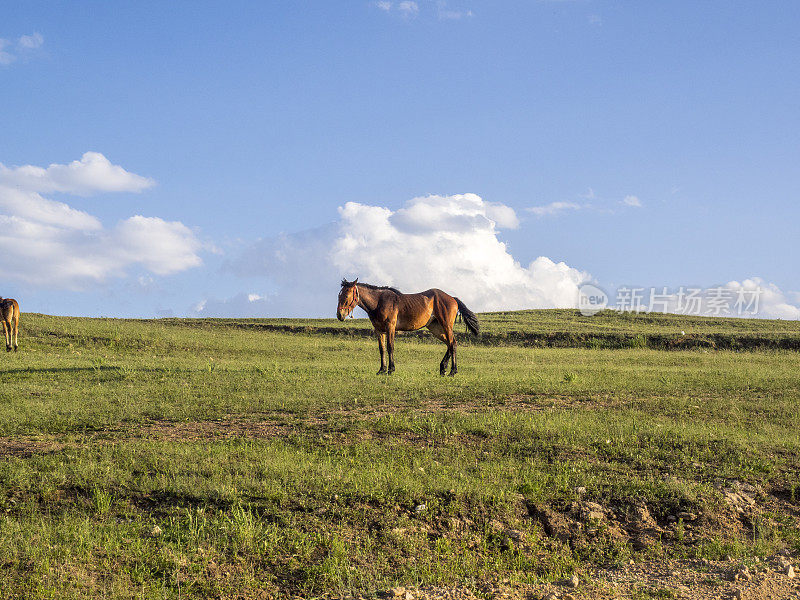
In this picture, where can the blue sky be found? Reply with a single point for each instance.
(257, 124)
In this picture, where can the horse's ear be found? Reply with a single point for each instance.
(356, 281)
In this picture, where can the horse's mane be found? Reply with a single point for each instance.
(369, 286)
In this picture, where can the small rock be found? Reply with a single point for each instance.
(789, 572)
(420, 508)
(568, 597)
(156, 531)
(580, 490)
(408, 596)
(575, 582)
(593, 511)
(671, 518)
(398, 591)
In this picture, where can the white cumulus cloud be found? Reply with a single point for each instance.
(47, 243)
(767, 299)
(93, 173)
(448, 242)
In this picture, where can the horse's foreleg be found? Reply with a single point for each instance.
(390, 344)
(7, 332)
(16, 333)
(382, 350)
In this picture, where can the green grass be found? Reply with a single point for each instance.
(212, 458)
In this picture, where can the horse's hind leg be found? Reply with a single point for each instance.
(438, 331)
(443, 364)
(452, 350)
(7, 332)
(450, 340)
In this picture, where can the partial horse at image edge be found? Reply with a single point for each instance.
(390, 311)
(9, 311)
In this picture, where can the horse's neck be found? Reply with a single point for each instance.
(368, 299)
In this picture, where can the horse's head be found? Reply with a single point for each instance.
(348, 299)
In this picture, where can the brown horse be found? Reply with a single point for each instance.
(390, 311)
(9, 312)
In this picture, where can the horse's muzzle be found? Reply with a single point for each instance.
(340, 315)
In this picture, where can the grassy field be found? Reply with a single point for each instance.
(260, 458)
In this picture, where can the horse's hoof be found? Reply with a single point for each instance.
(381, 372)
(453, 373)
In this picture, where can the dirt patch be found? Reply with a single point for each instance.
(281, 426)
(27, 446)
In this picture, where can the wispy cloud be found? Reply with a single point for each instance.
(446, 13)
(31, 42)
(408, 8)
(554, 208)
(591, 203)
(632, 201)
(24, 44)
(6, 58)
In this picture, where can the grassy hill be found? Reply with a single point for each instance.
(567, 329)
(256, 458)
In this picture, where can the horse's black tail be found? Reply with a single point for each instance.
(469, 318)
